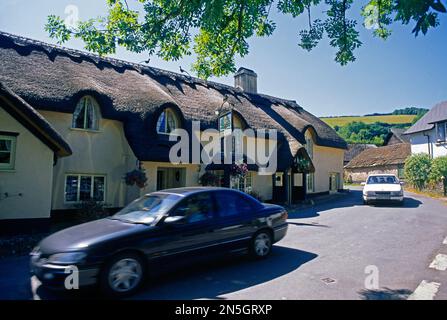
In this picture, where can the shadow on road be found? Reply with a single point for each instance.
(208, 280)
(353, 198)
(385, 294)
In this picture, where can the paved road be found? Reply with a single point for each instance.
(329, 252)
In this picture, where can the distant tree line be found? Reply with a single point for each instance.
(371, 133)
(404, 111)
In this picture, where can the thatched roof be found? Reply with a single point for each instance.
(33, 121)
(382, 156)
(436, 114)
(54, 78)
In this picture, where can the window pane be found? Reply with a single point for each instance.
(161, 123)
(195, 208)
(5, 145)
(71, 188)
(232, 204)
(441, 131)
(79, 118)
(5, 157)
(171, 125)
(90, 122)
(85, 188)
(98, 188)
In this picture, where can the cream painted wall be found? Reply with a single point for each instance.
(191, 178)
(103, 152)
(32, 175)
(327, 160)
(263, 184)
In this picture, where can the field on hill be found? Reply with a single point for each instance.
(391, 119)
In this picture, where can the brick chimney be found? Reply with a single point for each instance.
(246, 80)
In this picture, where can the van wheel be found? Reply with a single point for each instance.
(261, 244)
(123, 275)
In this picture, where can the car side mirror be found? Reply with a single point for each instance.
(363, 184)
(402, 183)
(175, 220)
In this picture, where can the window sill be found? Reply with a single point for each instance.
(85, 130)
(439, 143)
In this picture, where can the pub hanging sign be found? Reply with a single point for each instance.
(225, 124)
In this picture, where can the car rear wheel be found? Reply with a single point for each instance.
(261, 244)
(123, 275)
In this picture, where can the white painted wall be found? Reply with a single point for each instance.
(327, 160)
(32, 175)
(419, 144)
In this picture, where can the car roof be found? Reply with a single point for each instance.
(382, 174)
(185, 191)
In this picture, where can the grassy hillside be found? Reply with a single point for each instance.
(391, 119)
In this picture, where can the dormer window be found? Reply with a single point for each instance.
(309, 144)
(167, 122)
(86, 114)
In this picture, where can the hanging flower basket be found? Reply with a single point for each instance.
(302, 164)
(136, 177)
(209, 179)
(238, 170)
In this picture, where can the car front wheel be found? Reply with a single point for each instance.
(261, 244)
(123, 275)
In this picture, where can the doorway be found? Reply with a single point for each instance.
(168, 178)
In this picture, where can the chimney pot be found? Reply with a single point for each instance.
(246, 80)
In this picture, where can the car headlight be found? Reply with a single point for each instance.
(397, 193)
(67, 257)
(370, 193)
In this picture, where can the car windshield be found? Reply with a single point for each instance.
(382, 180)
(146, 209)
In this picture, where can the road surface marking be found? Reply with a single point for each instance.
(445, 241)
(425, 291)
(440, 262)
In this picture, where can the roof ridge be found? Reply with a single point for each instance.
(137, 66)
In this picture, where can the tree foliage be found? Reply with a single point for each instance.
(438, 169)
(417, 169)
(218, 30)
(360, 132)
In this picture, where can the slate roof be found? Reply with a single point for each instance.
(355, 149)
(381, 156)
(33, 121)
(399, 134)
(436, 114)
(53, 78)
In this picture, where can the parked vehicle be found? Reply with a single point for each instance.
(383, 188)
(162, 227)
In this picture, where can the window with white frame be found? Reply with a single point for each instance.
(167, 122)
(86, 114)
(310, 183)
(7, 152)
(243, 184)
(83, 187)
(441, 131)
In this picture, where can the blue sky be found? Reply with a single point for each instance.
(403, 71)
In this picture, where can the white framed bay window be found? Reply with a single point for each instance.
(84, 187)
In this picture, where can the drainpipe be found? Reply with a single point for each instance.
(428, 144)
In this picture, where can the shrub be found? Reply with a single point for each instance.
(438, 169)
(238, 170)
(91, 210)
(209, 179)
(417, 170)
